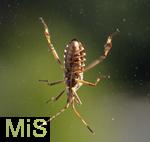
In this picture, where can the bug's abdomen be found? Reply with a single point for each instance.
(74, 57)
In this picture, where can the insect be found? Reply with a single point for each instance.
(74, 68)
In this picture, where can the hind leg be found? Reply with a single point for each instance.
(81, 118)
(57, 114)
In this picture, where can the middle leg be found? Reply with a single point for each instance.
(88, 83)
(56, 97)
(51, 83)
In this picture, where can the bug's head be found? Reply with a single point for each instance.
(75, 44)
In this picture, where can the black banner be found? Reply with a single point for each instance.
(24, 129)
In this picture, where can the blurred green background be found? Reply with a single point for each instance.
(118, 109)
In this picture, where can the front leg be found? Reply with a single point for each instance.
(107, 48)
(50, 45)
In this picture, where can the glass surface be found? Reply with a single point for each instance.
(118, 109)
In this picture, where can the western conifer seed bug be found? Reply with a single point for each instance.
(73, 68)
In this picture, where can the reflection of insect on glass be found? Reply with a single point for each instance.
(74, 57)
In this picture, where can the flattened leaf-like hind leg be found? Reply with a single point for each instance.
(57, 114)
(81, 118)
(107, 48)
(50, 45)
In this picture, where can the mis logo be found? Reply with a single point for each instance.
(24, 129)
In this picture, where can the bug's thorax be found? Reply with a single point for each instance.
(74, 58)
